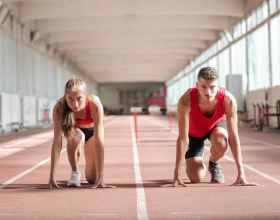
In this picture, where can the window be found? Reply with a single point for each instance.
(224, 68)
(213, 62)
(264, 10)
(238, 60)
(251, 21)
(272, 6)
(237, 30)
(275, 50)
(258, 58)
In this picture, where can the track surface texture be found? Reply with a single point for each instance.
(142, 171)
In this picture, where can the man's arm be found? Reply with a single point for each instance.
(233, 138)
(182, 140)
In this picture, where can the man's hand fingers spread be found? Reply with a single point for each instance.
(183, 184)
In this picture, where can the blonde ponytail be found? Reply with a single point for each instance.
(67, 121)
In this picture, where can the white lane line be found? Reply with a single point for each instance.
(8, 151)
(201, 213)
(24, 173)
(98, 214)
(74, 214)
(141, 201)
(260, 173)
(19, 142)
(38, 137)
(260, 142)
(254, 170)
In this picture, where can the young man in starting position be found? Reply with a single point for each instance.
(207, 112)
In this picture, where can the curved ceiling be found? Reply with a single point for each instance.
(130, 40)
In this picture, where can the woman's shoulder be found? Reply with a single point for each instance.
(95, 104)
(93, 99)
(58, 105)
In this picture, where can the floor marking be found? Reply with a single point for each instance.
(254, 170)
(260, 173)
(261, 142)
(38, 137)
(99, 214)
(110, 120)
(185, 213)
(141, 202)
(7, 151)
(24, 173)
(57, 214)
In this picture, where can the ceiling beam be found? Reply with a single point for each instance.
(70, 36)
(120, 43)
(37, 10)
(192, 52)
(146, 23)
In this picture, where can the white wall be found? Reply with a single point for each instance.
(28, 80)
(10, 105)
(29, 111)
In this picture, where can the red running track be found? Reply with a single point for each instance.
(142, 172)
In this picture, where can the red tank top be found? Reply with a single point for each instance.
(88, 119)
(200, 124)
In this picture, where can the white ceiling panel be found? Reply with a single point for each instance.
(130, 40)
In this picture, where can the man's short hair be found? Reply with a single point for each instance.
(208, 73)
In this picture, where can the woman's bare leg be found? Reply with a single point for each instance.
(90, 158)
(74, 145)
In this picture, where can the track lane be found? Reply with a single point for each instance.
(204, 200)
(28, 198)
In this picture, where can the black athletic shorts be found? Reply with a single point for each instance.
(89, 132)
(196, 145)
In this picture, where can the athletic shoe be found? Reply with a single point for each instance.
(215, 170)
(75, 179)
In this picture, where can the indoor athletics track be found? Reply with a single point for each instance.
(142, 172)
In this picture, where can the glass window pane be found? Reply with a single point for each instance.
(237, 30)
(244, 26)
(250, 21)
(213, 62)
(264, 10)
(224, 68)
(259, 15)
(275, 50)
(238, 60)
(258, 58)
(272, 6)
(191, 84)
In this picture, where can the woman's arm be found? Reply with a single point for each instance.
(56, 145)
(99, 139)
(99, 142)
